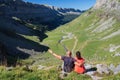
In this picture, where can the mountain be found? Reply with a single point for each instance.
(65, 10)
(107, 4)
(23, 25)
(36, 13)
(96, 33)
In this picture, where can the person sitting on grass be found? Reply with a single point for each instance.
(68, 65)
(79, 64)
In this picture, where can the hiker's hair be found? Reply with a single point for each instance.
(70, 53)
(78, 54)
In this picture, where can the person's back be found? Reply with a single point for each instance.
(79, 64)
(79, 69)
(68, 63)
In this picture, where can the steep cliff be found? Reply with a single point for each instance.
(107, 4)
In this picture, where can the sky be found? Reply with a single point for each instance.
(77, 4)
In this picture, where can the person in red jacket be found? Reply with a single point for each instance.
(79, 63)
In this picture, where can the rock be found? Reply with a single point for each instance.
(96, 78)
(90, 70)
(9, 68)
(88, 66)
(113, 47)
(112, 67)
(102, 69)
(117, 70)
(90, 73)
(41, 67)
(117, 54)
(107, 4)
(27, 68)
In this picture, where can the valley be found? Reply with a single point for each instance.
(94, 32)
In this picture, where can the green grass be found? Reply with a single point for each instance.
(115, 77)
(32, 38)
(74, 76)
(21, 73)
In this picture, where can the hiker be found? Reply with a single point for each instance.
(79, 64)
(68, 65)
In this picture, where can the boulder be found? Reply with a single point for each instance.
(102, 69)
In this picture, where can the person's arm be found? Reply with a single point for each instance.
(57, 56)
(80, 64)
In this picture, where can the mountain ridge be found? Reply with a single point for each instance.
(36, 12)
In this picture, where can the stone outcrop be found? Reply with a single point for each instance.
(107, 4)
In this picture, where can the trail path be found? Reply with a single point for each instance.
(82, 46)
(68, 36)
(75, 44)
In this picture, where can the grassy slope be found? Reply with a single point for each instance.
(93, 49)
(21, 73)
(89, 42)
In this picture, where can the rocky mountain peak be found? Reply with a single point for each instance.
(64, 10)
(107, 4)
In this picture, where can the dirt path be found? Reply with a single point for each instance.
(84, 44)
(75, 44)
(68, 36)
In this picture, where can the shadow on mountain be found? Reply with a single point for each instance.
(18, 46)
(10, 57)
(11, 26)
